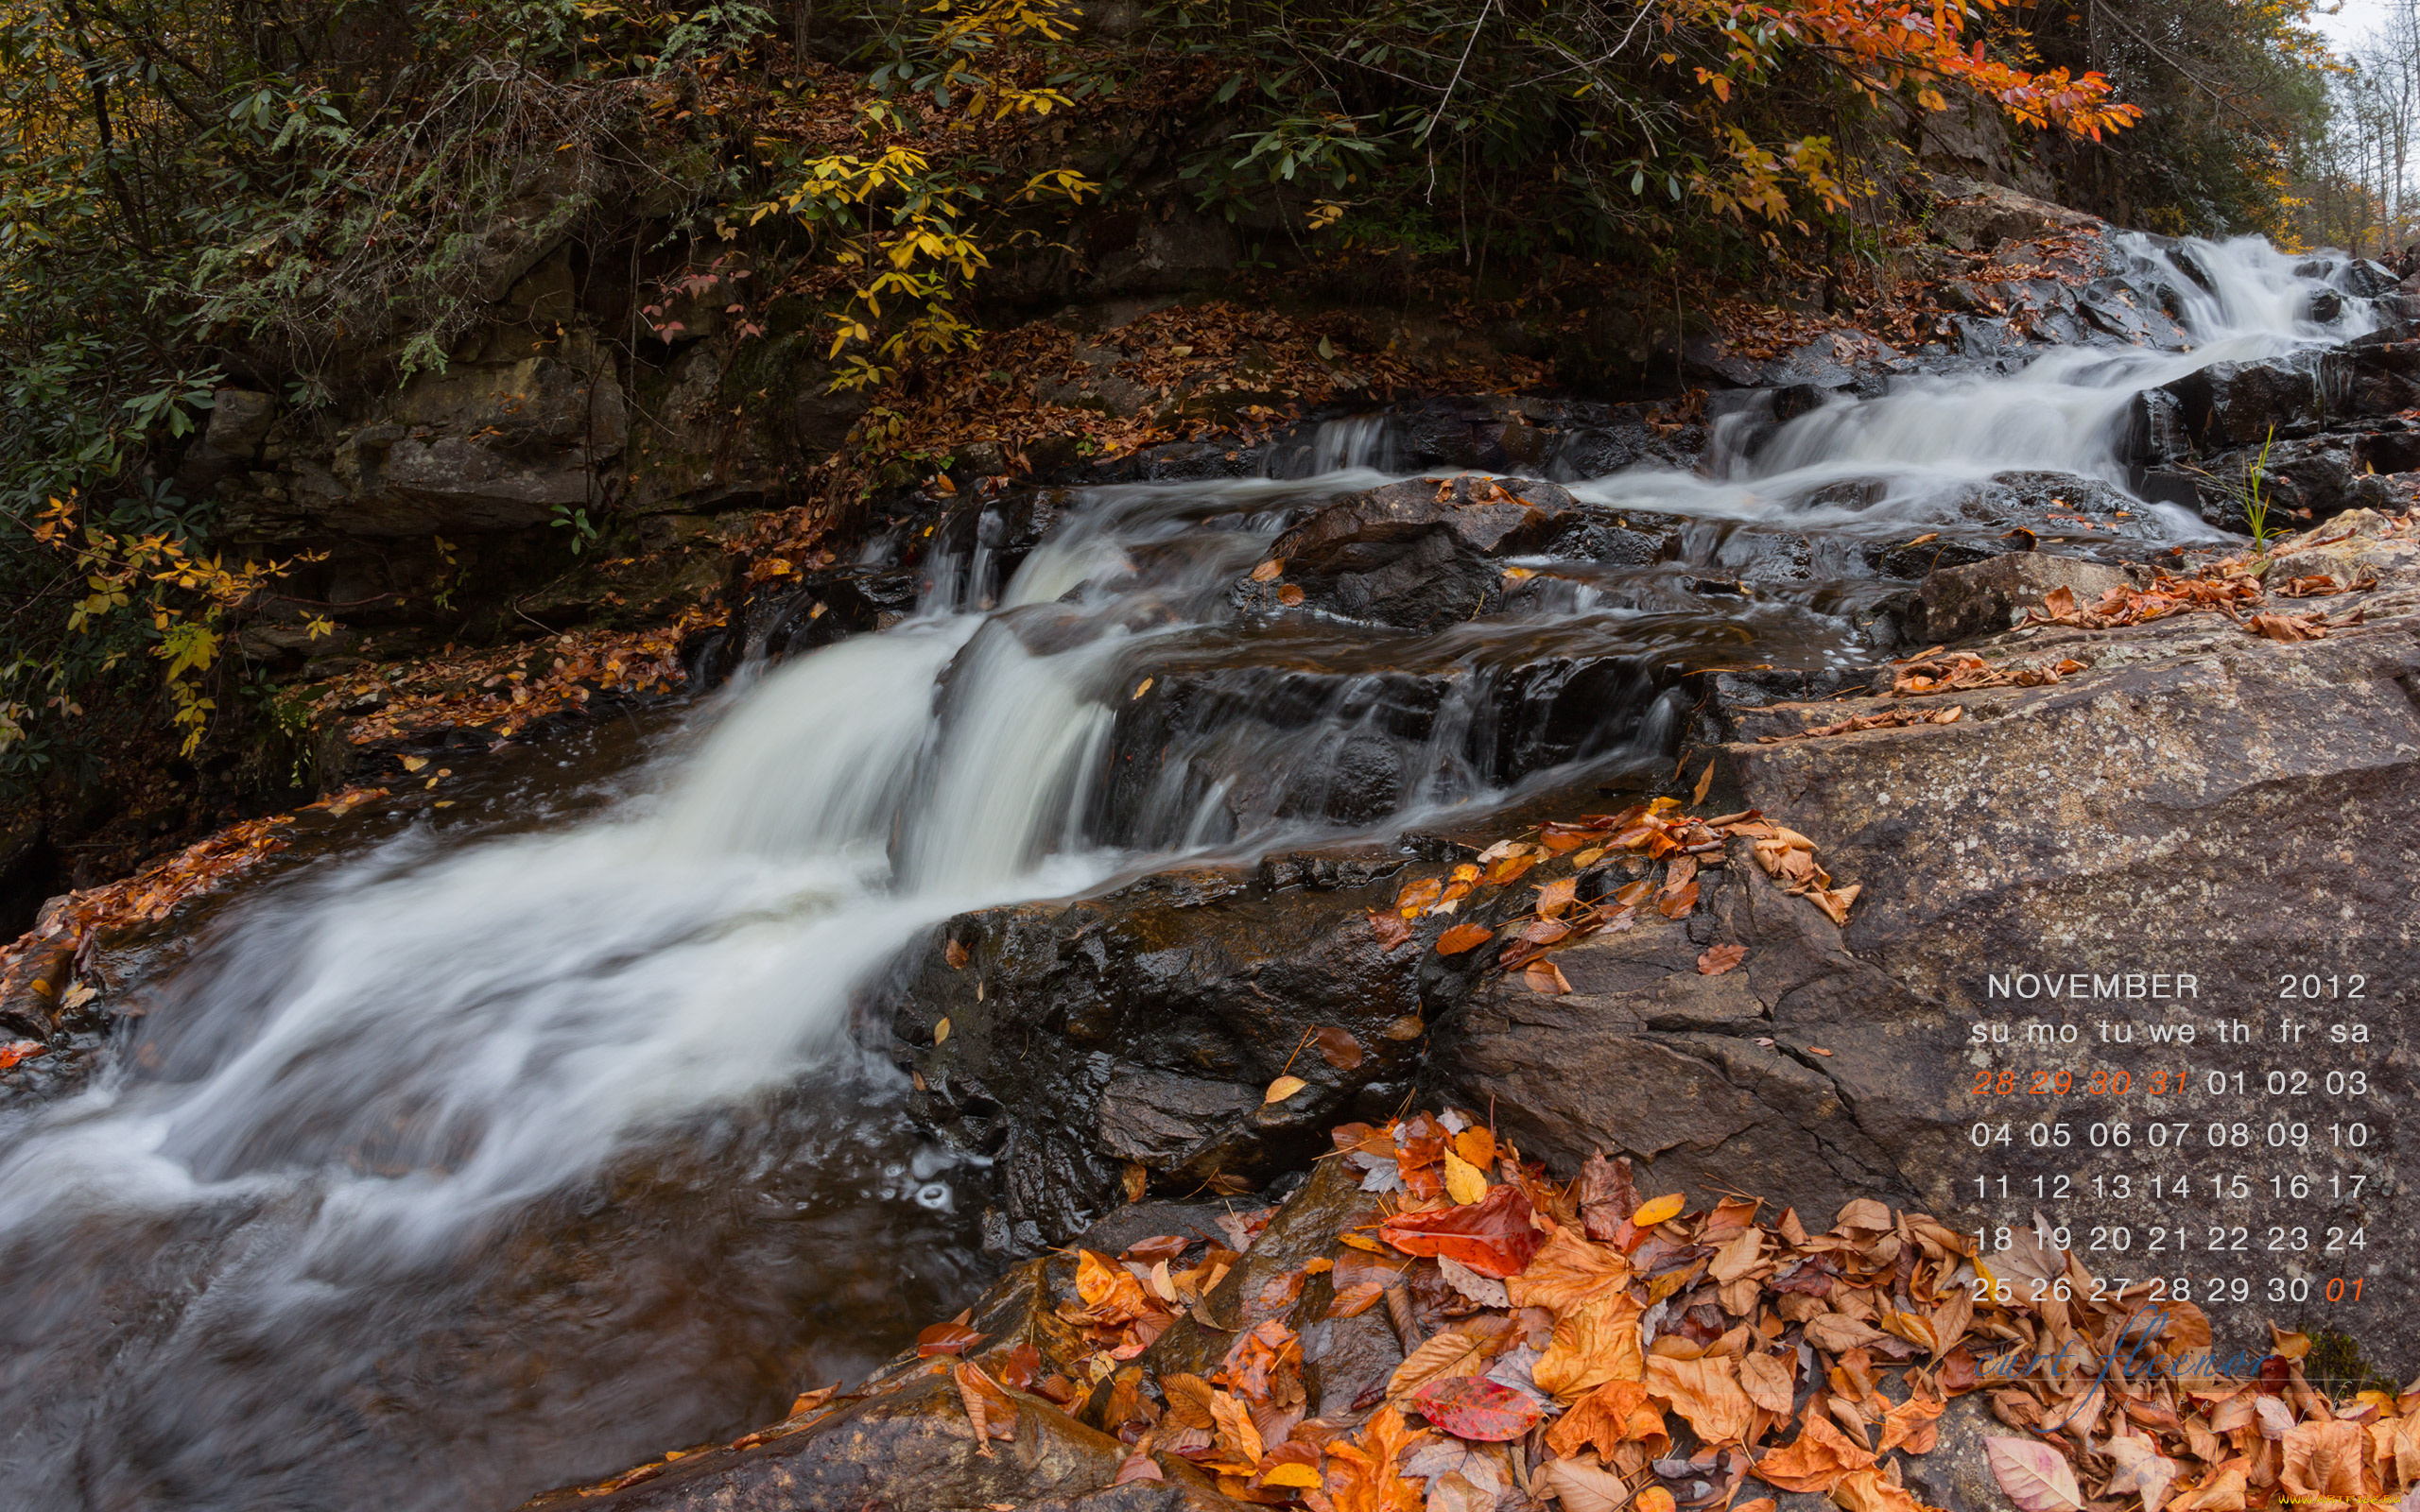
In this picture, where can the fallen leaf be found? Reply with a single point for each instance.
(1582, 1487)
(1338, 1048)
(1476, 1408)
(1463, 1182)
(1142, 688)
(1357, 1300)
(1290, 596)
(1283, 1088)
(1677, 904)
(2035, 1476)
(1485, 1290)
(1819, 1456)
(1721, 958)
(957, 954)
(2147, 1472)
(1616, 1412)
(1593, 1343)
(1660, 1209)
(1705, 784)
(17, 1052)
(1270, 571)
(1867, 1491)
(1545, 976)
(1556, 896)
(1911, 1423)
(946, 1338)
(989, 1408)
(940, 1031)
(1770, 1383)
(1706, 1393)
(1449, 1353)
(1566, 1271)
(1139, 1465)
(1493, 1237)
(1463, 938)
(1390, 928)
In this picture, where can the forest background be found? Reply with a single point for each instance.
(865, 199)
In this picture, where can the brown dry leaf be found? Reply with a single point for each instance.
(1390, 928)
(1238, 1440)
(1738, 1256)
(1338, 1048)
(1463, 938)
(2035, 1476)
(2228, 1490)
(1556, 896)
(1477, 1144)
(1838, 1333)
(1545, 976)
(1270, 571)
(1911, 1424)
(1485, 1290)
(1721, 958)
(1357, 1299)
(1770, 1383)
(2142, 1469)
(1290, 596)
(1568, 1271)
(1705, 784)
(2323, 1459)
(1283, 1088)
(1418, 896)
(1582, 1486)
(940, 1031)
(1867, 1491)
(1835, 902)
(1706, 1393)
(1818, 1457)
(1109, 1291)
(1450, 1353)
(1139, 1465)
(957, 954)
(1593, 1343)
(1615, 1413)
(989, 1406)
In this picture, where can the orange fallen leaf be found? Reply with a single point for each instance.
(1545, 976)
(1660, 1209)
(1270, 571)
(1462, 938)
(1283, 1088)
(1721, 958)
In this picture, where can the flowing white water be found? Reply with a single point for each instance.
(400, 1056)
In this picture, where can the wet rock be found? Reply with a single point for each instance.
(2239, 404)
(1423, 555)
(1985, 597)
(2127, 310)
(2200, 802)
(1957, 1475)
(910, 1449)
(1143, 1025)
(1704, 1081)
(1982, 215)
(2308, 479)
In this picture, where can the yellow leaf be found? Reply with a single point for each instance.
(1290, 1473)
(413, 763)
(1463, 1182)
(1661, 1210)
(1141, 688)
(940, 1031)
(1283, 1088)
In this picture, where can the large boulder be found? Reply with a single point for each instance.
(1139, 1031)
(2093, 874)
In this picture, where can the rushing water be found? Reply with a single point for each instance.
(469, 1165)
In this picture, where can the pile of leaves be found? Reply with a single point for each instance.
(1882, 719)
(1591, 1345)
(507, 688)
(1612, 861)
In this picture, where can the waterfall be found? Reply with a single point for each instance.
(404, 1092)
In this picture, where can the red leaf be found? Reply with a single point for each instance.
(19, 1051)
(1677, 904)
(1492, 1236)
(1017, 1368)
(1156, 1249)
(1390, 928)
(1721, 958)
(946, 1338)
(1476, 1407)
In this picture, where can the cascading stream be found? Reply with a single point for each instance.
(458, 1169)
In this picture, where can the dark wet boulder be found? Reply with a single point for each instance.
(1707, 1082)
(1142, 1027)
(2308, 479)
(1421, 554)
